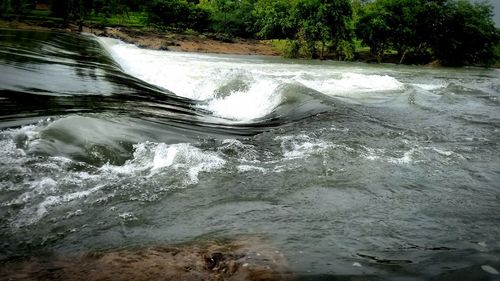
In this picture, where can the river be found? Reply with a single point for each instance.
(349, 169)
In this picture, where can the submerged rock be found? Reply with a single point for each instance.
(247, 259)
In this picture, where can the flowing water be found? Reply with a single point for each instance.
(349, 169)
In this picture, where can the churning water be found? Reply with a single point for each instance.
(347, 168)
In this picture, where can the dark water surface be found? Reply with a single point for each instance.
(349, 169)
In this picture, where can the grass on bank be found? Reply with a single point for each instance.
(132, 19)
(359, 52)
(44, 17)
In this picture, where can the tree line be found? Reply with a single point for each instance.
(455, 32)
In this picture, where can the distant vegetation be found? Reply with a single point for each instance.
(455, 32)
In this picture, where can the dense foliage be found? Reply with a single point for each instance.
(466, 34)
(232, 17)
(312, 25)
(179, 14)
(455, 32)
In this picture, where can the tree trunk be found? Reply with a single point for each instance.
(81, 15)
(403, 57)
(322, 52)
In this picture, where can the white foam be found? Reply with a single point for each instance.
(201, 76)
(372, 153)
(40, 188)
(351, 83)
(406, 159)
(430, 87)
(198, 78)
(156, 158)
(363, 82)
(249, 168)
(244, 152)
(186, 157)
(8, 139)
(44, 186)
(173, 71)
(38, 198)
(380, 154)
(300, 146)
(127, 216)
(32, 214)
(258, 101)
(447, 153)
(38, 193)
(164, 156)
(414, 155)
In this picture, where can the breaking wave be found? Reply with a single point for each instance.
(241, 90)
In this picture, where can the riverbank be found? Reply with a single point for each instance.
(179, 42)
(191, 42)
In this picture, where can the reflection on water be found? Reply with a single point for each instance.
(381, 171)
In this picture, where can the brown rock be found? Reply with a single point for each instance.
(205, 261)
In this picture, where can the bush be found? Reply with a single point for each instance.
(466, 35)
(236, 18)
(456, 32)
(291, 49)
(178, 14)
(345, 50)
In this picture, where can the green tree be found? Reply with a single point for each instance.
(373, 29)
(466, 34)
(235, 17)
(274, 20)
(178, 14)
(455, 32)
(311, 23)
(323, 22)
(401, 25)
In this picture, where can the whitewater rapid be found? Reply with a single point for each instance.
(238, 89)
(59, 181)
